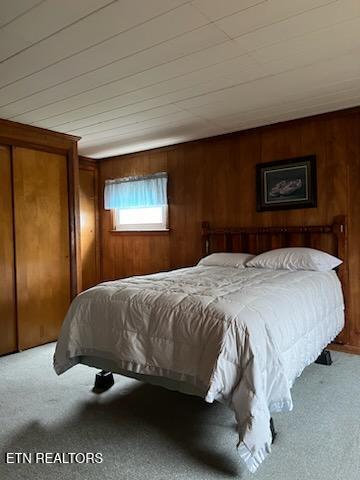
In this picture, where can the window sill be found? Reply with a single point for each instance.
(140, 232)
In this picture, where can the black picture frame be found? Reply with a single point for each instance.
(286, 184)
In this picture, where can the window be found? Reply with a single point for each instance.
(138, 203)
(148, 218)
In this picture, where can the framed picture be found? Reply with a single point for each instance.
(286, 184)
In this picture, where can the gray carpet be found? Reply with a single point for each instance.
(147, 432)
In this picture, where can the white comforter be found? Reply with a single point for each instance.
(241, 336)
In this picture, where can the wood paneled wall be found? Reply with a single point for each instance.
(214, 180)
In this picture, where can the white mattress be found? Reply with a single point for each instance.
(241, 336)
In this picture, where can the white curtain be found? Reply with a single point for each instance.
(136, 192)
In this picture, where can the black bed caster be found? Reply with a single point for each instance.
(103, 381)
(324, 358)
(272, 428)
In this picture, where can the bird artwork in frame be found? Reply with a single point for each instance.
(286, 184)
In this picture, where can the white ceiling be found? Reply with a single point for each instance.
(127, 75)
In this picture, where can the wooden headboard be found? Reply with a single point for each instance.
(329, 238)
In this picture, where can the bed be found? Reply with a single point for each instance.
(240, 336)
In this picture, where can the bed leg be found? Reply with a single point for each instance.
(272, 428)
(324, 358)
(103, 381)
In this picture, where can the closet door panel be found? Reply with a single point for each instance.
(8, 342)
(42, 244)
(88, 231)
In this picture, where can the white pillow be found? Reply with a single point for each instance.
(297, 258)
(236, 260)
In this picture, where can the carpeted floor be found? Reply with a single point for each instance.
(149, 433)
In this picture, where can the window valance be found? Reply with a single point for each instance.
(136, 192)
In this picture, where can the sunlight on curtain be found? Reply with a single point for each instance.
(136, 192)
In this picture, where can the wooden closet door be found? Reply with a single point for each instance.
(88, 228)
(42, 244)
(8, 342)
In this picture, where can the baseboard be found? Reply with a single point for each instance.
(344, 348)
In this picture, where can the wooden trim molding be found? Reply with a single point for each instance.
(87, 163)
(74, 219)
(344, 348)
(30, 134)
(140, 233)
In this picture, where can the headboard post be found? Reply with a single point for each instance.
(340, 230)
(205, 237)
